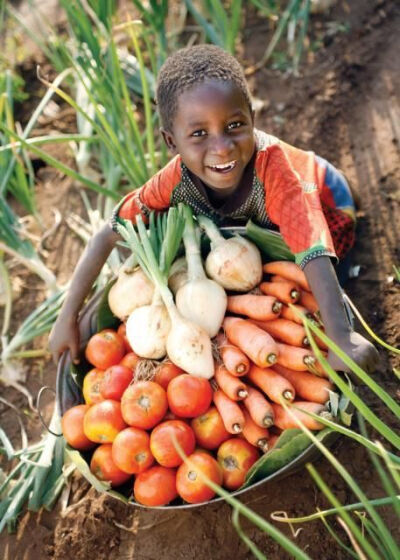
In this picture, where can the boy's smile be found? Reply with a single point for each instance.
(213, 133)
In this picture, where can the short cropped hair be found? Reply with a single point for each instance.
(190, 66)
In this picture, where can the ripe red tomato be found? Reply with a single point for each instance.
(115, 380)
(103, 421)
(131, 450)
(155, 487)
(91, 386)
(162, 444)
(209, 429)
(144, 404)
(72, 427)
(190, 484)
(105, 349)
(104, 468)
(122, 333)
(130, 360)
(235, 457)
(165, 372)
(189, 396)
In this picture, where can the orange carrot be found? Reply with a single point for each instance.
(288, 270)
(291, 315)
(298, 359)
(287, 291)
(284, 420)
(256, 307)
(230, 411)
(229, 384)
(288, 313)
(258, 345)
(274, 385)
(259, 408)
(308, 301)
(285, 331)
(235, 361)
(255, 434)
(308, 386)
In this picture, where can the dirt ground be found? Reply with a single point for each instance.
(346, 107)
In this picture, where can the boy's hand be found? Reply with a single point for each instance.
(359, 349)
(64, 336)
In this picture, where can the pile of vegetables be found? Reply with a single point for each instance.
(210, 360)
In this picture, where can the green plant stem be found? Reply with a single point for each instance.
(368, 329)
(327, 512)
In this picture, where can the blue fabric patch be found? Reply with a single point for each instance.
(337, 184)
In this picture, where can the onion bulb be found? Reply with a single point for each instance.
(147, 329)
(234, 263)
(201, 300)
(178, 275)
(132, 289)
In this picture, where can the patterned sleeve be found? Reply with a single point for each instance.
(155, 194)
(294, 205)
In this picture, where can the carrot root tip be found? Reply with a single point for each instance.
(268, 421)
(271, 358)
(237, 428)
(325, 414)
(294, 294)
(241, 368)
(309, 360)
(242, 393)
(288, 395)
(263, 445)
(277, 307)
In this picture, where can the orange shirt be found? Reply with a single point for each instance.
(284, 188)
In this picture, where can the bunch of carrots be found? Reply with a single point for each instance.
(265, 357)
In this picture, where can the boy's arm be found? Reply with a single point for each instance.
(325, 287)
(65, 333)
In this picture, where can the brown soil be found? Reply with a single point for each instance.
(345, 107)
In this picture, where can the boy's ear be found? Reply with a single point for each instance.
(169, 140)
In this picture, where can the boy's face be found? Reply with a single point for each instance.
(213, 133)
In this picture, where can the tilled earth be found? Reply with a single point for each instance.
(344, 106)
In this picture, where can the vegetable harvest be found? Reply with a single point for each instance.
(205, 366)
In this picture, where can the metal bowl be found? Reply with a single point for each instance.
(68, 394)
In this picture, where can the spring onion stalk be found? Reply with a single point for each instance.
(37, 323)
(376, 422)
(188, 345)
(269, 242)
(368, 329)
(200, 299)
(352, 484)
(37, 479)
(235, 263)
(22, 249)
(386, 501)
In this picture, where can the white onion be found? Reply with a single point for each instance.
(131, 290)
(189, 347)
(178, 275)
(147, 329)
(201, 300)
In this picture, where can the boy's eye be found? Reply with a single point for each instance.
(198, 133)
(234, 125)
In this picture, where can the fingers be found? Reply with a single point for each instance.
(74, 353)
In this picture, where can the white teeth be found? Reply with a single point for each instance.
(224, 166)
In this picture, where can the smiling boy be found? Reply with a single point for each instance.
(226, 169)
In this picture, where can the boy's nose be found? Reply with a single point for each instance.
(221, 145)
